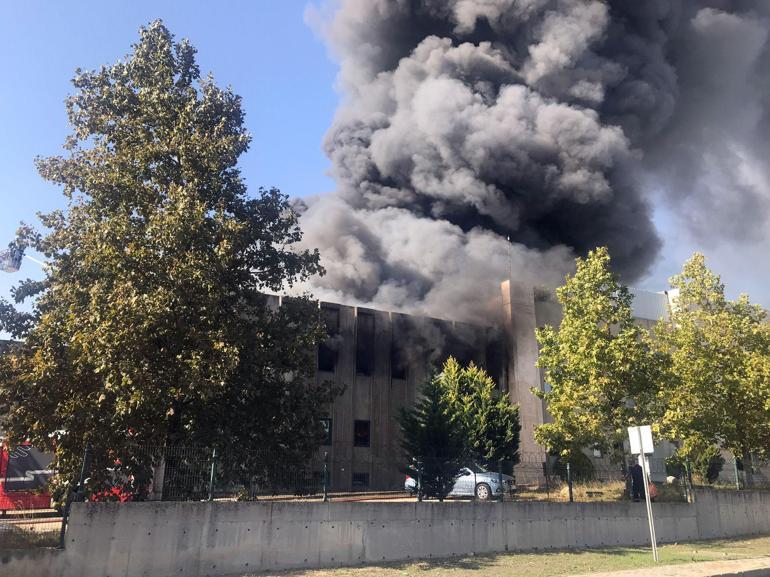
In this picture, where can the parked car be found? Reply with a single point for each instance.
(473, 481)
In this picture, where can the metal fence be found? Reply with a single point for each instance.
(200, 473)
(182, 473)
(27, 518)
(186, 473)
(29, 528)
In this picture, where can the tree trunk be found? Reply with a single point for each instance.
(748, 473)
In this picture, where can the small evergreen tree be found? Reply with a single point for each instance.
(433, 441)
(489, 419)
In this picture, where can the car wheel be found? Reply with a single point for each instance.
(483, 492)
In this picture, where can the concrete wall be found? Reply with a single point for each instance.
(197, 539)
(519, 314)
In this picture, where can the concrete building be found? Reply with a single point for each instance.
(382, 358)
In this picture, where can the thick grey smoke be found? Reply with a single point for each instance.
(550, 122)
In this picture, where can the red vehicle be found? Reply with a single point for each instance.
(24, 474)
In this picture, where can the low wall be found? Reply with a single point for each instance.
(198, 539)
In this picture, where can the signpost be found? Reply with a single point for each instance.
(640, 439)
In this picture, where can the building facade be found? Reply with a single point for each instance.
(382, 358)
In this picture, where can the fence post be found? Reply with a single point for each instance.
(688, 480)
(500, 479)
(74, 494)
(569, 482)
(85, 466)
(213, 472)
(419, 481)
(326, 477)
(629, 491)
(737, 478)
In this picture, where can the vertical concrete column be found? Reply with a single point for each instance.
(344, 406)
(523, 375)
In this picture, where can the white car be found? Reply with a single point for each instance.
(473, 482)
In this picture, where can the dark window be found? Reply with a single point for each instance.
(457, 344)
(361, 433)
(360, 480)
(495, 362)
(326, 423)
(327, 350)
(398, 358)
(365, 343)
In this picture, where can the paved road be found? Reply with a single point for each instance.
(759, 567)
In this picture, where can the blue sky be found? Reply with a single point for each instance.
(262, 48)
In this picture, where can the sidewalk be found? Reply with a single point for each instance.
(759, 567)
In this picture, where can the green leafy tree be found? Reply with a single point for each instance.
(720, 360)
(595, 362)
(151, 326)
(433, 441)
(489, 420)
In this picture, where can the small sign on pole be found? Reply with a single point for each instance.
(640, 439)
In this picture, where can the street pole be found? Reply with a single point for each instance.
(737, 477)
(647, 500)
(569, 482)
(419, 481)
(326, 477)
(212, 473)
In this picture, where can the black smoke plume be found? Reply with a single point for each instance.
(556, 124)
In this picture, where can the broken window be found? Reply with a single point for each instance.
(326, 423)
(327, 350)
(398, 357)
(361, 433)
(495, 364)
(365, 343)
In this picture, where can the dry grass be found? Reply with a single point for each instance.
(29, 533)
(553, 564)
(595, 492)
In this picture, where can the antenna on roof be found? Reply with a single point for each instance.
(510, 258)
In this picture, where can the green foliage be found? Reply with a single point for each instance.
(489, 420)
(596, 361)
(581, 467)
(461, 417)
(720, 362)
(675, 466)
(433, 441)
(708, 465)
(705, 464)
(151, 326)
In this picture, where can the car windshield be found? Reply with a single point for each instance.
(476, 469)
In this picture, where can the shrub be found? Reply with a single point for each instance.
(581, 468)
(705, 464)
(708, 464)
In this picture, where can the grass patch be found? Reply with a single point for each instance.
(553, 564)
(595, 492)
(30, 537)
